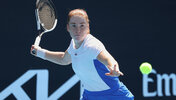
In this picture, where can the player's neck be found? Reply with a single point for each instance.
(78, 44)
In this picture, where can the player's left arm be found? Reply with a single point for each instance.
(106, 58)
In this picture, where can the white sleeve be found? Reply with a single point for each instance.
(96, 48)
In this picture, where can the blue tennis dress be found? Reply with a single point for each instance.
(91, 72)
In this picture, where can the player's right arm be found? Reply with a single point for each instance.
(62, 58)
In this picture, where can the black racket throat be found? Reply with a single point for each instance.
(41, 32)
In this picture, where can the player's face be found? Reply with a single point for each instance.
(78, 27)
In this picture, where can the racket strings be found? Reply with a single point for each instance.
(46, 15)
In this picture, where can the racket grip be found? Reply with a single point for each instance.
(37, 41)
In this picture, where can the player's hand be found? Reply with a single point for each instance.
(114, 71)
(38, 51)
(33, 47)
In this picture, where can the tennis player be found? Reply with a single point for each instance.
(93, 64)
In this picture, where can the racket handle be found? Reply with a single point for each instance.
(36, 43)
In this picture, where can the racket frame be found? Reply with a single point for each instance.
(41, 29)
(40, 26)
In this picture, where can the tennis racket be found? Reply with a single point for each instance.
(46, 18)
